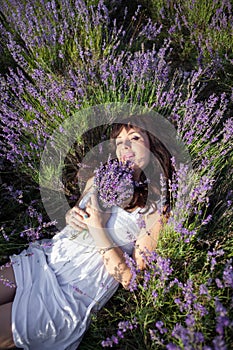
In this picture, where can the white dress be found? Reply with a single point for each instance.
(61, 281)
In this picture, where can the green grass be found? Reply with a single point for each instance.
(192, 35)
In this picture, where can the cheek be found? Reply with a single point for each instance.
(147, 157)
(143, 155)
(145, 152)
(117, 153)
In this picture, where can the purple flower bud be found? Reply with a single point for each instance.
(114, 182)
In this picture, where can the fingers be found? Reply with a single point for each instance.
(97, 217)
(75, 218)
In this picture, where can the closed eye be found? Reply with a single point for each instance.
(135, 138)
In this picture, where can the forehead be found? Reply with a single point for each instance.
(128, 131)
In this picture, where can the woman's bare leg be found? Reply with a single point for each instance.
(6, 337)
(7, 284)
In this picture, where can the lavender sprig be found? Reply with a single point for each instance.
(114, 182)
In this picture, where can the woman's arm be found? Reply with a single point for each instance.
(148, 239)
(114, 259)
(113, 256)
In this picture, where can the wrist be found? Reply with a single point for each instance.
(102, 251)
(97, 224)
(101, 237)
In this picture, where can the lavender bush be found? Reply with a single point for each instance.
(199, 30)
(68, 55)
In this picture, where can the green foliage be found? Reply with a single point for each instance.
(196, 35)
(201, 30)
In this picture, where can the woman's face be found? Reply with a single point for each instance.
(134, 146)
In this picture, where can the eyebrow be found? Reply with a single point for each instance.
(132, 132)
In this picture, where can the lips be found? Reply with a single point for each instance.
(127, 156)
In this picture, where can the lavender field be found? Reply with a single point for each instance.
(59, 57)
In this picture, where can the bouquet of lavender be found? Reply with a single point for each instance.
(114, 183)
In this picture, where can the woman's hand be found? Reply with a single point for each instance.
(96, 217)
(75, 217)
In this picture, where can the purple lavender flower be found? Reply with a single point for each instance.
(160, 326)
(114, 182)
(5, 281)
(172, 346)
(141, 222)
(123, 327)
(219, 343)
(130, 262)
(228, 274)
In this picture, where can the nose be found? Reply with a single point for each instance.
(126, 143)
